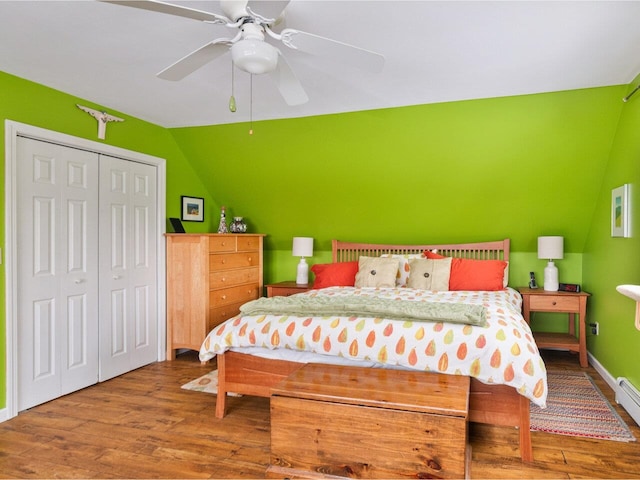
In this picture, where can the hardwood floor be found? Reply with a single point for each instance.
(143, 425)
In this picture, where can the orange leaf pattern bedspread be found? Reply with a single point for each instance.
(503, 352)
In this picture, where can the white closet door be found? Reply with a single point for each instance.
(57, 288)
(128, 273)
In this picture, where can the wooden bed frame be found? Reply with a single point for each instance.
(489, 404)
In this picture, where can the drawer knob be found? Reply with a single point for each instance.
(553, 303)
(224, 297)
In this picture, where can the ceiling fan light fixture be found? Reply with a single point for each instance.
(254, 56)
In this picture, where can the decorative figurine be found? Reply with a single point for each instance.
(222, 227)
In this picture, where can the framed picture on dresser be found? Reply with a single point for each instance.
(192, 209)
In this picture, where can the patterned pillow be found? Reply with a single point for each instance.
(429, 274)
(403, 266)
(376, 272)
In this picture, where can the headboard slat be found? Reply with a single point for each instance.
(350, 251)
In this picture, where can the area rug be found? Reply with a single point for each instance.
(576, 407)
(207, 383)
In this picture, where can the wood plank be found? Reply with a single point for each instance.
(433, 393)
(365, 442)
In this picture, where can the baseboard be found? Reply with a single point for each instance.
(607, 377)
(4, 415)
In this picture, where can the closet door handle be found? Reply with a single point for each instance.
(116, 277)
(78, 281)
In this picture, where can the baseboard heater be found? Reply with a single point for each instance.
(629, 397)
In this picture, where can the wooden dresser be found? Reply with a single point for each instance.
(208, 277)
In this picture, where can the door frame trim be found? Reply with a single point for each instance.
(12, 131)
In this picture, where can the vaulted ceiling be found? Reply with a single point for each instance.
(435, 51)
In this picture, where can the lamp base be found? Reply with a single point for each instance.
(551, 277)
(302, 277)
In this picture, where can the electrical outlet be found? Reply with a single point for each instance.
(595, 328)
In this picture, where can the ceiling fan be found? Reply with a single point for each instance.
(254, 21)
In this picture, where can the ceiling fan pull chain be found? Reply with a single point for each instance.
(232, 100)
(251, 104)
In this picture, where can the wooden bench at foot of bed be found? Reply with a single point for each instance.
(369, 423)
(489, 404)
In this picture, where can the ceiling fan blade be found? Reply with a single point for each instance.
(343, 52)
(162, 7)
(195, 60)
(288, 84)
(268, 11)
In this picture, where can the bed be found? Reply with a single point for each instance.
(255, 352)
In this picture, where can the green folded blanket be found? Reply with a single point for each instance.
(361, 306)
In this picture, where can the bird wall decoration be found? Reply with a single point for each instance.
(102, 117)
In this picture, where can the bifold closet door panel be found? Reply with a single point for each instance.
(128, 272)
(57, 270)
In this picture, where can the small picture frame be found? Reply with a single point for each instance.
(620, 211)
(192, 209)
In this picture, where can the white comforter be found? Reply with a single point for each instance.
(502, 352)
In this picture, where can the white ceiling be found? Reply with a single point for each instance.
(436, 51)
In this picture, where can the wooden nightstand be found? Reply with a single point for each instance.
(538, 300)
(284, 289)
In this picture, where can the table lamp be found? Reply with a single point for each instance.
(302, 247)
(551, 248)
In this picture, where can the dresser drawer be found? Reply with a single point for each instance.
(233, 260)
(227, 296)
(229, 278)
(248, 244)
(222, 314)
(222, 244)
(552, 303)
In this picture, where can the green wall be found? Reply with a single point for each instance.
(514, 167)
(34, 104)
(609, 262)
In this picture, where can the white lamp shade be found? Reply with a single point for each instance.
(551, 248)
(302, 246)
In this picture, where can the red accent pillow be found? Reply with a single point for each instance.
(341, 274)
(470, 274)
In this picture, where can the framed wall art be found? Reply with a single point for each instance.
(192, 209)
(620, 211)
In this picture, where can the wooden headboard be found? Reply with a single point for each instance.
(349, 251)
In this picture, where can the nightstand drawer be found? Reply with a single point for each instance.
(551, 303)
(284, 289)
